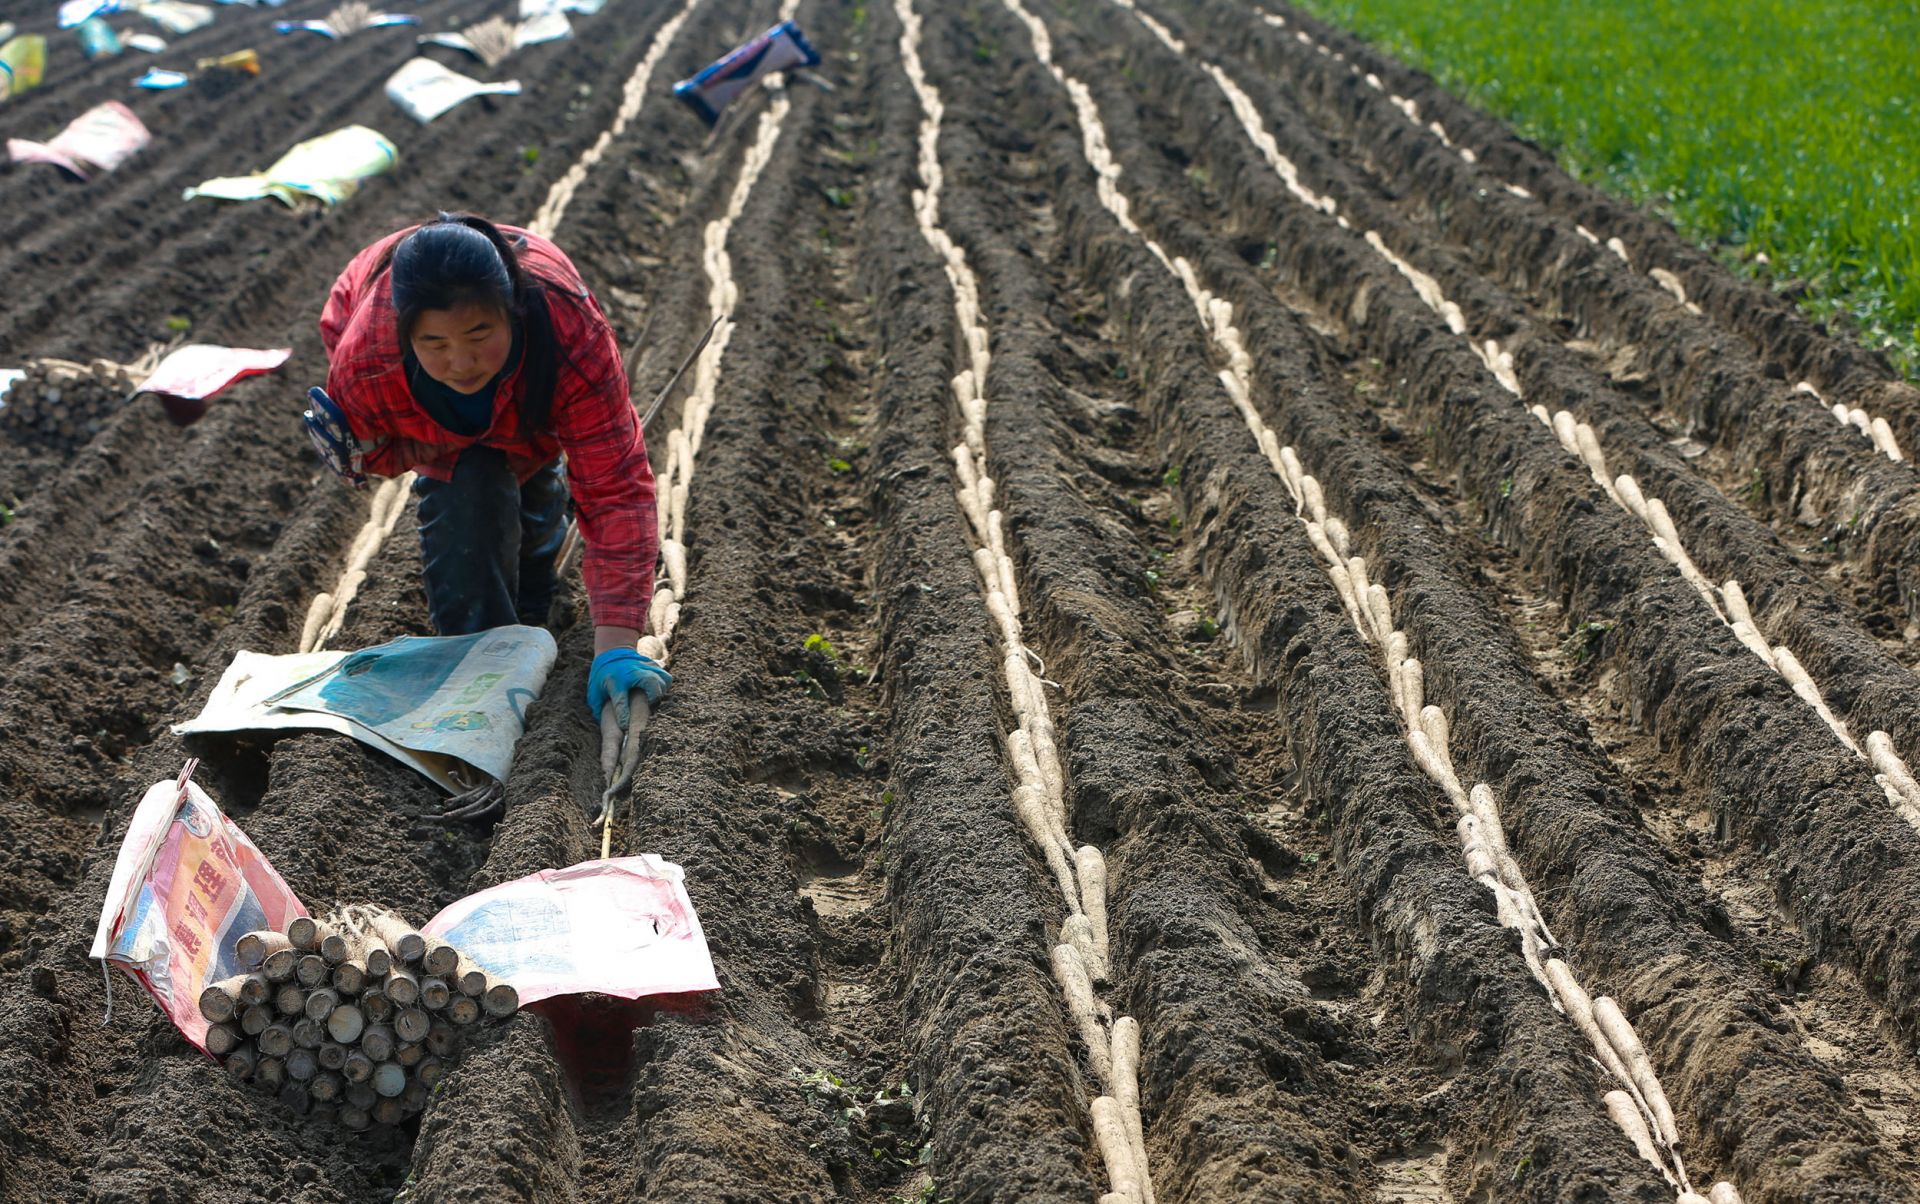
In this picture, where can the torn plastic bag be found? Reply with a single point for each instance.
(101, 138)
(445, 706)
(156, 80)
(23, 62)
(779, 49)
(174, 16)
(622, 926)
(424, 89)
(540, 8)
(97, 38)
(328, 168)
(145, 42)
(188, 376)
(186, 887)
(493, 39)
(350, 18)
(73, 12)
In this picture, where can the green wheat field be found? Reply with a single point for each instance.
(1759, 127)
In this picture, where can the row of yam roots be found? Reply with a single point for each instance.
(356, 1014)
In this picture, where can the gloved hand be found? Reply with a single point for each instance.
(618, 670)
(333, 438)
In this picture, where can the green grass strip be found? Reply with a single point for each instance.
(1789, 128)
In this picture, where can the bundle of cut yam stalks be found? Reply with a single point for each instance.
(60, 405)
(356, 1013)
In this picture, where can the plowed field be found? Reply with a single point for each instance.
(1308, 594)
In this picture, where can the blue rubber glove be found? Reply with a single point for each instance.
(618, 670)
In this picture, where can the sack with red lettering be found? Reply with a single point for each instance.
(187, 885)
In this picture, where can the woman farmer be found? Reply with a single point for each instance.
(474, 355)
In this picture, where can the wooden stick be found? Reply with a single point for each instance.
(501, 1000)
(434, 993)
(350, 977)
(354, 1119)
(222, 1039)
(463, 1009)
(389, 1079)
(400, 937)
(275, 1040)
(345, 1023)
(468, 978)
(410, 1055)
(309, 1033)
(280, 964)
(270, 1073)
(411, 1024)
(253, 948)
(255, 1019)
(302, 1065)
(378, 1042)
(389, 1112)
(441, 1039)
(379, 960)
(358, 1067)
(290, 999)
(321, 1002)
(361, 1095)
(416, 1095)
(339, 945)
(326, 1086)
(332, 1055)
(305, 933)
(221, 1000)
(378, 1006)
(441, 959)
(241, 1062)
(402, 986)
(311, 970)
(430, 1071)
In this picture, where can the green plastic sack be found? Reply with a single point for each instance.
(23, 62)
(328, 168)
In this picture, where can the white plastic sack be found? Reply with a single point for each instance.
(445, 706)
(187, 885)
(176, 17)
(492, 40)
(424, 89)
(623, 926)
(536, 8)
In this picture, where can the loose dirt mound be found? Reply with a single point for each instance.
(1329, 1005)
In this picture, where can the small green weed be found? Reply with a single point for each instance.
(179, 323)
(1171, 479)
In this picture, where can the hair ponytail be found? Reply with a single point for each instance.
(442, 264)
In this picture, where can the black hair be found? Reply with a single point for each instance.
(462, 258)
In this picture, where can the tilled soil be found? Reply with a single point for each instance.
(1330, 1008)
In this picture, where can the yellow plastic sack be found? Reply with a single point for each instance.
(23, 62)
(328, 168)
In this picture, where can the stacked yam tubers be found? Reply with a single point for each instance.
(357, 1014)
(61, 405)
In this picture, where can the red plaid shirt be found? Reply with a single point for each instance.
(592, 422)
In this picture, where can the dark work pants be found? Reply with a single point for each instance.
(488, 543)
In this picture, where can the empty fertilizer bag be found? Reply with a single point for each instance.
(424, 89)
(445, 706)
(189, 375)
(350, 18)
(101, 138)
(493, 39)
(174, 16)
(328, 168)
(540, 8)
(623, 926)
(73, 12)
(97, 38)
(187, 885)
(781, 48)
(23, 62)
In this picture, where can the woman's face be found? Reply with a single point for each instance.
(463, 347)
